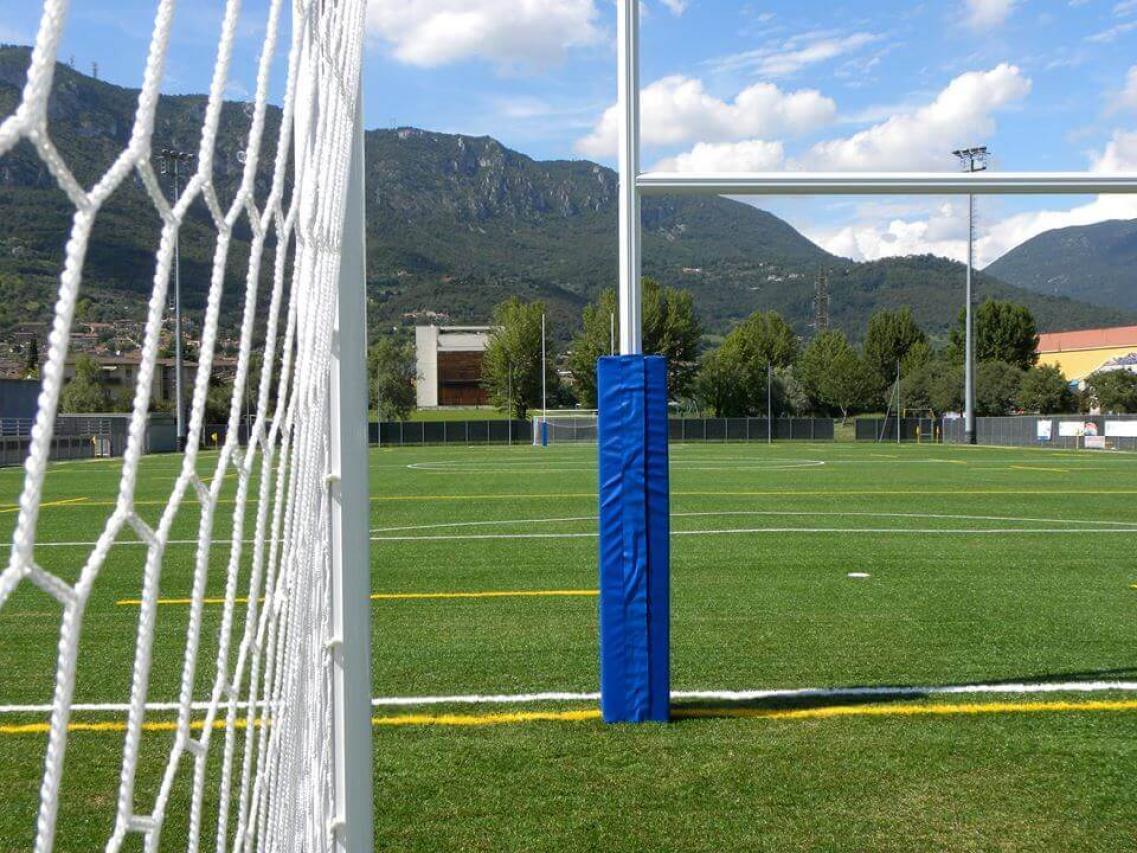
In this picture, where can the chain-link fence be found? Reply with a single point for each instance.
(885, 429)
(1117, 432)
(396, 433)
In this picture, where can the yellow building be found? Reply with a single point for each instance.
(1078, 354)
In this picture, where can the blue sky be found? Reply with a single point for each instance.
(1047, 84)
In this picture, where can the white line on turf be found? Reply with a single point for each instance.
(720, 695)
(738, 531)
(794, 513)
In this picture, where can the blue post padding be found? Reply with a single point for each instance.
(544, 433)
(634, 539)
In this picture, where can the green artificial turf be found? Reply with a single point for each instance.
(985, 565)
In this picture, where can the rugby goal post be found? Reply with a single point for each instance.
(281, 736)
(634, 586)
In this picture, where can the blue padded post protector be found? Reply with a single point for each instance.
(634, 539)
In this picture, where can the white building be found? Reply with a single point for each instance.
(450, 365)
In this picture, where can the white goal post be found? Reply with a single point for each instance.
(281, 736)
(561, 426)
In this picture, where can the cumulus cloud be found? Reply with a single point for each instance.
(506, 32)
(921, 139)
(677, 7)
(988, 14)
(679, 109)
(751, 155)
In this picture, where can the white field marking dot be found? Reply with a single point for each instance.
(859, 575)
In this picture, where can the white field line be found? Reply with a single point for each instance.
(1106, 527)
(739, 531)
(747, 512)
(914, 691)
(543, 467)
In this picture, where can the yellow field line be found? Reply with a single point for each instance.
(64, 502)
(404, 596)
(590, 714)
(827, 712)
(1039, 468)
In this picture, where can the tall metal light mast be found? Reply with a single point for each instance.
(972, 160)
(171, 163)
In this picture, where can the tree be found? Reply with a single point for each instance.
(935, 384)
(85, 393)
(1045, 390)
(997, 385)
(1114, 390)
(1004, 331)
(766, 338)
(835, 375)
(890, 338)
(671, 328)
(732, 379)
(31, 366)
(511, 366)
(393, 376)
(731, 387)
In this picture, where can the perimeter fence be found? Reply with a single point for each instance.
(1114, 432)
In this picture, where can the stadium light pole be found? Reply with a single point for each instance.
(544, 402)
(171, 160)
(972, 160)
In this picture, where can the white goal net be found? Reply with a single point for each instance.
(564, 426)
(228, 712)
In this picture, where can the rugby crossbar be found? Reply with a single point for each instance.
(634, 593)
(885, 183)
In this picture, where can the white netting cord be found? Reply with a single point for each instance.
(274, 700)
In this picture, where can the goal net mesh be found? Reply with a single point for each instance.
(563, 427)
(244, 750)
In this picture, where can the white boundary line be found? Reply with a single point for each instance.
(721, 695)
(739, 531)
(1129, 525)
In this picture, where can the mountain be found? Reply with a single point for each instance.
(455, 224)
(1092, 263)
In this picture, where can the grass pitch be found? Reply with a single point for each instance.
(984, 566)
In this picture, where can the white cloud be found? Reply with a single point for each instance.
(988, 14)
(429, 33)
(1124, 8)
(794, 54)
(1127, 97)
(943, 231)
(1112, 34)
(962, 114)
(677, 7)
(679, 109)
(751, 155)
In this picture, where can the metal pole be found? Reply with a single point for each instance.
(769, 403)
(628, 87)
(544, 402)
(179, 406)
(611, 333)
(899, 410)
(350, 539)
(509, 412)
(969, 333)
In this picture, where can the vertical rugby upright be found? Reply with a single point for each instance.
(632, 432)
